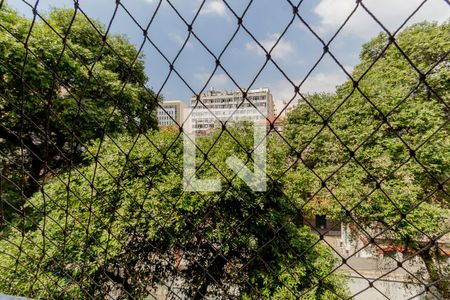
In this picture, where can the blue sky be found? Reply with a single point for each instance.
(295, 54)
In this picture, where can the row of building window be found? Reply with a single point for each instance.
(231, 99)
(232, 106)
(166, 117)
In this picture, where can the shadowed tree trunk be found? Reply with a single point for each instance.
(435, 276)
(214, 273)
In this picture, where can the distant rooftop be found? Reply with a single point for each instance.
(170, 101)
(213, 92)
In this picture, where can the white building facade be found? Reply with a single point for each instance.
(215, 106)
(170, 113)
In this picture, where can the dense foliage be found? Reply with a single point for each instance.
(61, 86)
(117, 223)
(383, 145)
(123, 222)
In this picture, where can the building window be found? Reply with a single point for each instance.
(321, 222)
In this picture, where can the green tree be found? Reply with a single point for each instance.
(63, 82)
(124, 221)
(382, 144)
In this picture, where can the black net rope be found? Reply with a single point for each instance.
(21, 216)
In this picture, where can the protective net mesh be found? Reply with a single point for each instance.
(92, 197)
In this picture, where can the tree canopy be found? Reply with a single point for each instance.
(121, 224)
(64, 81)
(381, 144)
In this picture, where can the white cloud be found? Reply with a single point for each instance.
(217, 81)
(283, 91)
(216, 7)
(283, 50)
(323, 82)
(391, 13)
(179, 40)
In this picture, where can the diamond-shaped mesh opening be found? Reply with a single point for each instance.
(313, 173)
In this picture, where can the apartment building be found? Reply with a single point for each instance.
(170, 113)
(230, 105)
